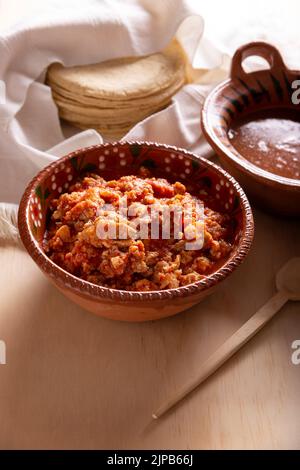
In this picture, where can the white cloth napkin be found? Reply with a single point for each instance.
(77, 32)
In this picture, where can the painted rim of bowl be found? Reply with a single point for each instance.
(250, 168)
(85, 288)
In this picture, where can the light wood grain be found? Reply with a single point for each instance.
(73, 380)
(233, 344)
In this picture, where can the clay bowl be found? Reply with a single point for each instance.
(243, 94)
(113, 161)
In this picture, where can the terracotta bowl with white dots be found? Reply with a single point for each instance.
(112, 160)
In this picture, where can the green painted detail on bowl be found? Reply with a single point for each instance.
(81, 167)
(149, 163)
(205, 181)
(277, 87)
(287, 84)
(89, 167)
(225, 120)
(42, 195)
(195, 165)
(74, 163)
(229, 111)
(34, 229)
(256, 95)
(243, 96)
(237, 105)
(264, 90)
(135, 150)
(236, 203)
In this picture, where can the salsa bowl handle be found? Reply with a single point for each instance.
(260, 49)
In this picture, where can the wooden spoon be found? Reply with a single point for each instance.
(288, 287)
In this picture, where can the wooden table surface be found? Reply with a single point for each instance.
(73, 380)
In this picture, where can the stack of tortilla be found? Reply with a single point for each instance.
(113, 96)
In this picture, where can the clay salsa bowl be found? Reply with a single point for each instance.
(236, 98)
(113, 160)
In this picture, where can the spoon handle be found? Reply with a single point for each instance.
(228, 349)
